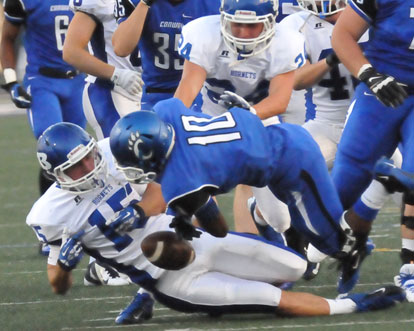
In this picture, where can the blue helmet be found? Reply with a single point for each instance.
(141, 144)
(248, 12)
(63, 145)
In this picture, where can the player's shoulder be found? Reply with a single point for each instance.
(295, 20)
(168, 109)
(49, 208)
(93, 7)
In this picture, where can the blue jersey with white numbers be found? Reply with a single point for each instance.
(391, 43)
(162, 66)
(233, 148)
(46, 25)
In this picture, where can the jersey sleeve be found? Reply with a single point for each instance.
(367, 9)
(14, 11)
(198, 42)
(96, 9)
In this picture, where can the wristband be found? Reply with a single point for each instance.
(9, 75)
(363, 68)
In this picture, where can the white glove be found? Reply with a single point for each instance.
(405, 280)
(229, 100)
(129, 80)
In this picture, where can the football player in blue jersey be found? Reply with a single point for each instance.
(382, 114)
(155, 25)
(224, 151)
(52, 89)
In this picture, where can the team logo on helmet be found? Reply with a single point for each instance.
(133, 145)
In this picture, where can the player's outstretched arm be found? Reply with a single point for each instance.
(60, 280)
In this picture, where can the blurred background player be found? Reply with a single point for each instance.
(51, 91)
(113, 86)
(242, 51)
(382, 113)
(232, 274)
(155, 25)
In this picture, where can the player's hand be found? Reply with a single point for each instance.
(18, 94)
(229, 100)
(127, 219)
(184, 228)
(332, 60)
(386, 88)
(71, 251)
(129, 80)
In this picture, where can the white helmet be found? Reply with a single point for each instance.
(323, 8)
(248, 12)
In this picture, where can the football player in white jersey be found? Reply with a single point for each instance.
(100, 210)
(114, 83)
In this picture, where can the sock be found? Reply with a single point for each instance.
(408, 244)
(375, 195)
(341, 306)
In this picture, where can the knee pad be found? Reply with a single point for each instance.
(408, 221)
(408, 198)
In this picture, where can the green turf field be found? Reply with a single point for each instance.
(27, 303)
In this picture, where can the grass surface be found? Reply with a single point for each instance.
(27, 303)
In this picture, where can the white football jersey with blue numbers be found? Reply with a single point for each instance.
(331, 97)
(58, 209)
(203, 45)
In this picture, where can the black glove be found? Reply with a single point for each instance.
(183, 227)
(18, 94)
(332, 59)
(148, 2)
(386, 88)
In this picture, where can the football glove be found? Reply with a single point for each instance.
(129, 80)
(229, 100)
(127, 219)
(18, 94)
(332, 60)
(405, 280)
(385, 87)
(71, 251)
(184, 228)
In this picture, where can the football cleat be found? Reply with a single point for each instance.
(103, 274)
(405, 280)
(350, 266)
(312, 270)
(266, 231)
(394, 179)
(140, 309)
(382, 298)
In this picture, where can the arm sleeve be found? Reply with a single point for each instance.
(14, 11)
(367, 9)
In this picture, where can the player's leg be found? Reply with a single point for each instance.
(99, 108)
(268, 262)
(242, 220)
(70, 93)
(370, 132)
